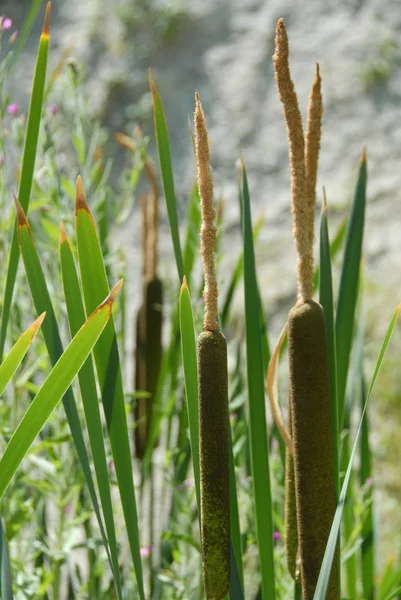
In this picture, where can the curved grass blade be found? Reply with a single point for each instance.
(349, 286)
(191, 246)
(87, 382)
(95, 286)
(12, 361)
(41, 298)
(24, 33)
(28, 165)
(326, 300)
(256, 399)
(163, 148)
(188, 347)
(322, 584)
(53, 389)
(6, 589)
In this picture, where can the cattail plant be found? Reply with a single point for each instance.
(213, 393)
(307, 346)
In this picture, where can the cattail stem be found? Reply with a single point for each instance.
(213, 395)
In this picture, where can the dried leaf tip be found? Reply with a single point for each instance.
(152, 84)
(63, 234)
(363, 156)
(80, 200)
(46, 26)
(184, 285)
(324, 200)
(112, 296)
(21, 217)
(36, 324)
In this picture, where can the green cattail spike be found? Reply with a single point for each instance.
(307, 346)
(213, 394)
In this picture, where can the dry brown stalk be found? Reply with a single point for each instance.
(208, 228)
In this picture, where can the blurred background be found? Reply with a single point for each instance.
(223, 49)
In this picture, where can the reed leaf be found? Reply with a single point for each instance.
(256, 400)
(322, 584)
(349, 286)
(11, 363)
(28, 165)
(95, 285)
(53, 389)
(87, 382)
(163, 148)
(6, 589)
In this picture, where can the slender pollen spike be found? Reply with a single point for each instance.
(299, 205)
(46, 26)
(36, 324)
(80, 201)
(208, 228)
(21, 217)
(312, 147)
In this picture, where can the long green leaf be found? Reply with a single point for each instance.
(41, 298)
(326, 300)
(256, 399)
(95, 285)
(188, 347)
(53, 389)
(163, 147)
(6, 589)
(87, 382)
(324, 575)
(349, 286)
(12, 361)
(28, 165)
(24, 33)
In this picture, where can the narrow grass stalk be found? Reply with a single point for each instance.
(94, 284)
(28, 165)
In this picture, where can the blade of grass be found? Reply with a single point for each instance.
(53, 389)
(191, 246)
(6, 588)
(349, 286)
(17, 353)
(256, 399)
(163, 147)
(95, 285)
(28, 165)
(87, 382)
(24, 33)
(41, 298)
(367, 533)
(326, 300)
(322, 584)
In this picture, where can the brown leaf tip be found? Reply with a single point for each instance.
(63, 234)
(152, 84)
(363, 156)
(184, 285)
(112, 296)
(80, 200)
(21, 217)
(36, 324)
(46, 26)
